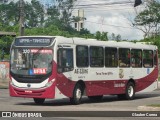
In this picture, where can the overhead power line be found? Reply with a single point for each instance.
(102, 4)
(111, 25)
(105, 6)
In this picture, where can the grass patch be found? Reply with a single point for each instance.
(154, 105)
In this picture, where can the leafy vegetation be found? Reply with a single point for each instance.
(149, 19)
(57, 19)
(154, 105)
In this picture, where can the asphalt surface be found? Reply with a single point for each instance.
(108, 103)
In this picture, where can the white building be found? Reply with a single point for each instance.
(80, 24)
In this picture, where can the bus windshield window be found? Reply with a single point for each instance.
(31, 61)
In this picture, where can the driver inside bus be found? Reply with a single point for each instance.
(41, 62)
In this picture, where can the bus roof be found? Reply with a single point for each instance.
(34, 36)
(94, 42)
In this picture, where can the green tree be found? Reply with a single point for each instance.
(104, 36)
(53, 16)
(8, 14)
(98, 35)
(5, 43)
(34, 14)
(84, 31)
(113, 37)
(101, 36)
(118, 37)
(149, 19)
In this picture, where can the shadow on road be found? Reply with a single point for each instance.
(85, 100)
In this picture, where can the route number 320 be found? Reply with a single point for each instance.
(26, 51)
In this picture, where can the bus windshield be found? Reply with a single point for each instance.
(31, 61)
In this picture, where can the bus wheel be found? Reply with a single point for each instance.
(130, 91)
(39, 100)
(77, 95)
(96, 98)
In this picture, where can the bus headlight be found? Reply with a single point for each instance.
(50, 83)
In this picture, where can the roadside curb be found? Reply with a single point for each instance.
(148, 108)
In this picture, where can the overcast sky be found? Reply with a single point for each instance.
(109, 18)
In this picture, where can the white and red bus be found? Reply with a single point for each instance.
(44, 67)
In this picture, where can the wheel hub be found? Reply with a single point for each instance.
(78, 94)
(130, 91)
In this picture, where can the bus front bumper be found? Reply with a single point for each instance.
(47, 92)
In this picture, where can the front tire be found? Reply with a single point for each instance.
(39, 101)
(77, 95)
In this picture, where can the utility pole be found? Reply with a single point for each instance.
(78, 27)
(102, 21)
(21, 20)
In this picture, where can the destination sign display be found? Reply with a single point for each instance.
(33, 41)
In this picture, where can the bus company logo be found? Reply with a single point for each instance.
(28, 85)
(121, 73)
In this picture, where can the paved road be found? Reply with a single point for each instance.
(109, 103)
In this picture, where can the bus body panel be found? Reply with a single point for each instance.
(98, 81)
(65, 85)
(93, 87)
(106, 86)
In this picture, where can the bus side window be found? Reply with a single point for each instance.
(96, 56)
(82, 56)
(155, 58)
(148, 58)
(136, 59)
(111, 57)
(124, 57)
(65, 60)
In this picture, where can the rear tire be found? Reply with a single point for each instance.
(39, 101)
(77, 95)
(129, 93)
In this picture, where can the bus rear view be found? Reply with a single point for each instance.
(32, 67)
